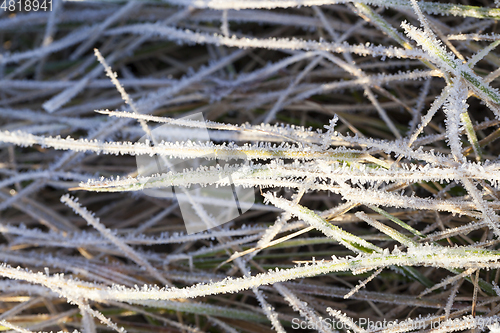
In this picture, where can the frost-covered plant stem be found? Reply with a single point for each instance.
(376, 166)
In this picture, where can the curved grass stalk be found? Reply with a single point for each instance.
(423, 255)
(333, 171)
(354, 243)
(280, 44)
(188, 150)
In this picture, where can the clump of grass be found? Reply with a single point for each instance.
(366, 131)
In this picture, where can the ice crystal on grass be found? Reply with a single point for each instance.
(362, 130)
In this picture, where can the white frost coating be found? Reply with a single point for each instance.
(271, 43)
(342, 169)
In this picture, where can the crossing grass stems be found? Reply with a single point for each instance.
(368, 130)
